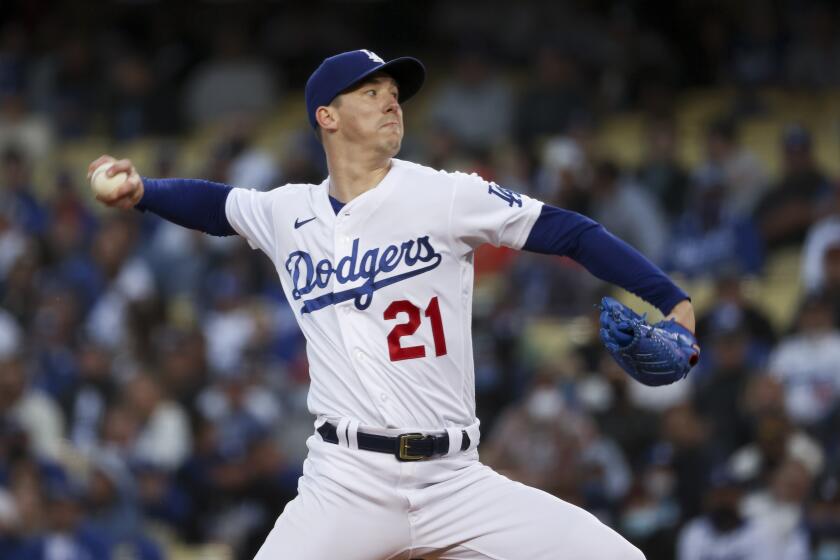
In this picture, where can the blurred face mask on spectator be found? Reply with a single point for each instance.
(545, 404)
(641, 521)
(828, 551)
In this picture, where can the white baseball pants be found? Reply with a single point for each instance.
(362, 505)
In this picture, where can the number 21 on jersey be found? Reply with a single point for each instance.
(395, 349)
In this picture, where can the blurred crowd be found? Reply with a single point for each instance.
(152, 379)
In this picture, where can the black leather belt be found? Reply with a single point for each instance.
(405, 447)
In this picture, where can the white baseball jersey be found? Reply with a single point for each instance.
(383, 293)
(383, 290)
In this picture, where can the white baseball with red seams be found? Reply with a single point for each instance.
(383, 294)
(104, 185)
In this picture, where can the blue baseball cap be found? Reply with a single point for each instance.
(339, 72)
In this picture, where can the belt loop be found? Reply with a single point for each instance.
(341, 432)
(353, 434)
(475, 434)
(456, 436)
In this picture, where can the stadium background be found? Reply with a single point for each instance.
(152, 380)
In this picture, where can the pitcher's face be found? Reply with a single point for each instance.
(370, 114)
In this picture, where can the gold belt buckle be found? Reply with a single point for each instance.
(403, 454)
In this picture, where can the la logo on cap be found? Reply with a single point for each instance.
(373, 56)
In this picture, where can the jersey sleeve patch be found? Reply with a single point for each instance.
(486, 212)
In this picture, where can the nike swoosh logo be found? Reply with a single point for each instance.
(299, 223)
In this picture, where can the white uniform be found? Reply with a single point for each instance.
(383, 294)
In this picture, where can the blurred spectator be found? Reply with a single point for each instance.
(163, 437)
(9, 524)
(757, 52)
(821, 257)
(553, 99)
(235, 480)
(476, 105)
(718, 394)
(231, 82)
(732, 309)
(110, 497)
(137, 104)
(565, 175)
(779, 509)
(26, 211)
(23, 130)
(813, 60)
(786, 212)
(67, 87)
(242, 411)
(68, 534)
(533, 439)
(125, 281)
(20, 289)
(13, 243)
(112, 504)
(164, 503)
(35, 412)
(27, 481)
(651, 514)
(686, 436)
(54, 324)
(709, 239)
(11, 336)
(831, 262)
(71, 222)
(118, 433)
(775, 440)
(13, 59)
(744, 176)
(95, 390)
(177, 256)
(230, 325)
(182, 361)
(247, 165)
(806, 363)
(661, 174)
(627, 211)
(823, 518)
(723, 532)
(631, 427)
(708, 51)
(303, 162)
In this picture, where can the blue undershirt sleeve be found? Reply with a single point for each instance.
(191, 203)
(561, 232)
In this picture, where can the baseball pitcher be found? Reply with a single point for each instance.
(377, 263)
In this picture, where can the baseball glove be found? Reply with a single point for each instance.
(652, 354)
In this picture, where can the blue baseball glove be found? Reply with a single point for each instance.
(652, 354)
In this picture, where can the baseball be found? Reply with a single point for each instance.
(104, 185)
